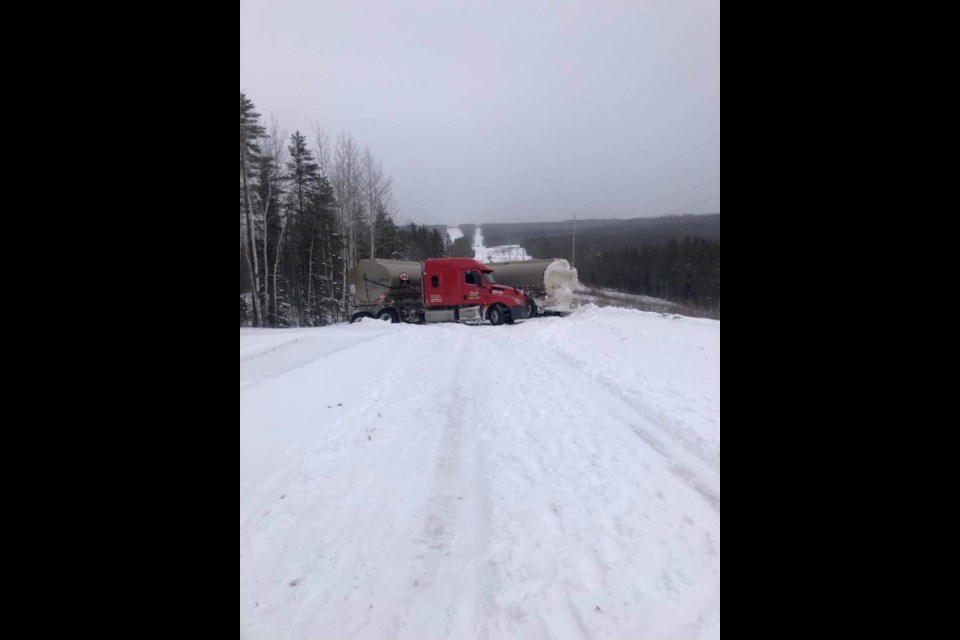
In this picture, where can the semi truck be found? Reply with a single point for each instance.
(436, 290)
(548, 284)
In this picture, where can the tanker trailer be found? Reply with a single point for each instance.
(384, 289)
(548, 284)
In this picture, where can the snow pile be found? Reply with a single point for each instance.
(560, 281)
(505, 253)
(559, 478)
(454, 233)
(479, 251)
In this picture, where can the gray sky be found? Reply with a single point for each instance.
(503, 111)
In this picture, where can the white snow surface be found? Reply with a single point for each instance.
(583, 295)
(454, 233)
(505, 253)
(558, 478)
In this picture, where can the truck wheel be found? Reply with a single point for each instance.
(496, 315)
(388, 315)
(360, 315)
(533, 307)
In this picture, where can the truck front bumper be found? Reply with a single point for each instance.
(520, 313)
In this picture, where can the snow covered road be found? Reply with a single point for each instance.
(559, 478)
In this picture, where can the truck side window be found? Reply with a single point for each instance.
(472, 278)
(435, 281)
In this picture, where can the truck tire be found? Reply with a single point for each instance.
(533, 307)
(360, 315)
(496, 315)
(388, 314)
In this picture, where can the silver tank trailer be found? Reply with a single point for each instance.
(526, 274)
(371, 278)
(551, 288)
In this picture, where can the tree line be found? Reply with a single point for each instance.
(685, 271)
(676, 258)
(606, 234)
(308, 213)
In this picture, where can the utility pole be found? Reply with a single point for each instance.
(573, 258)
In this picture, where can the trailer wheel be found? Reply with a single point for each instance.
(388, 315)
(360, 315)
(496, 315)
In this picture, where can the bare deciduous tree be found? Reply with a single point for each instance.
(322, 151)
(250, 131)
(377, 192)
(347, 186)
(274, 152)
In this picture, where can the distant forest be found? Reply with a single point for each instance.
(676, 258)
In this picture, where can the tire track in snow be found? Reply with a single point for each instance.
(382, 509)
(605, 398)
(639, 425)
(293, 503)
(440, 520)
(637, 395)
(527, 432)
(254, 379)
(569, 557)
(454, 530)
(253, 353)
(647, 412)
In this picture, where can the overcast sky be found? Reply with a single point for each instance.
(503, 111)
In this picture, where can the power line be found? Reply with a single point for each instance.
(652, 172)
(645, 206)
(690, 205)
(696, 146)
(573, 256)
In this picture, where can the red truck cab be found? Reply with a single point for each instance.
(463, 282)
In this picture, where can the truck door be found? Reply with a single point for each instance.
(471, 287)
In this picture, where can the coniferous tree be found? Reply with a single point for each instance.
(303, 174)
(327, 306)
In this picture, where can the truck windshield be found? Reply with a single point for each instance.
(488, 275)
